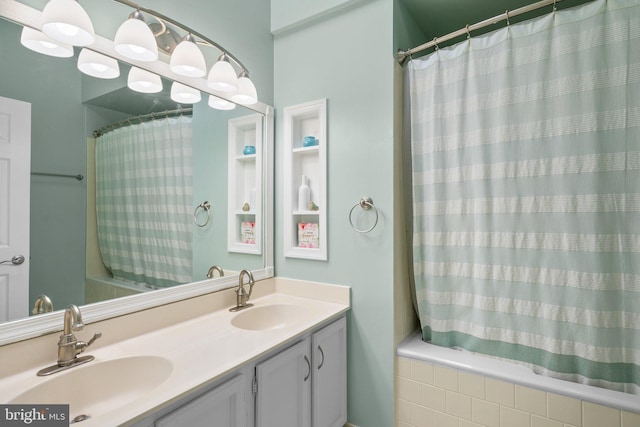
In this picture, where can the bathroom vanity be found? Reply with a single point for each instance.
(299, 385)
(281, 362)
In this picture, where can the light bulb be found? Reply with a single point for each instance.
(187, 59)
(220, 104)
(183, 94)
(222, 76)
(97, 65)
(42, 43)
(66, 21)
(135, 40)
(143, 81)
(246, 93)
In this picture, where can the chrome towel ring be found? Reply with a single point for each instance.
(365, 203)
(206, 206)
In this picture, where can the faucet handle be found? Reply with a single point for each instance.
(82, 346)
(94, 338)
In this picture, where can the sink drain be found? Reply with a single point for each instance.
(80, 418)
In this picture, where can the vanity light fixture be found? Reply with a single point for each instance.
(220, 104)
(135, 40)
(246, 93)
(183, 94)
(143, 81)
(42, 43)
(67, 22)
(187, 59)
(222, 76)
(97, 65)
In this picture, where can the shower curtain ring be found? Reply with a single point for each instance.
(555, 7)
(507, 12)
(435, 43)
(468, 32)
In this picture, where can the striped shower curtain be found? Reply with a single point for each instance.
(526, 194)
(143, 201)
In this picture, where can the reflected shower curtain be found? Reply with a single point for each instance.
(526, 194)
(143, 201)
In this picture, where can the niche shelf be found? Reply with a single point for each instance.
(244, 226)
(305, 228)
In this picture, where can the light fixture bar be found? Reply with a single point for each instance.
(185, 28)
(29, 16)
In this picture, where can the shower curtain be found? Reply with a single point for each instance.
(525, 147)
(143, 201)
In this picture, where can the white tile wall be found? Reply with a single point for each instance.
(429, 395)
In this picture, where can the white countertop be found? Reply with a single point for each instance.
(201, 350)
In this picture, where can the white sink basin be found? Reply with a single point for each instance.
(267, 317)
(98, 387)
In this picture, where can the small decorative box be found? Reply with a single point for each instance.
(248, 232)
(308, 235)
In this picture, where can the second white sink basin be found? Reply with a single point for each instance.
(267, 317)
(99, 387)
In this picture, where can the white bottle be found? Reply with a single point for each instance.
(304, 195)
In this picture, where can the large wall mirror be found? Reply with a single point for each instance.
(66, 260)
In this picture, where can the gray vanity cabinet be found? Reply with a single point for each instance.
(329, 386)
(305, 385)
(224, 406)
(302, 385)
(283, 388)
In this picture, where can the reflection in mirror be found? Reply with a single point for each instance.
(85, 231)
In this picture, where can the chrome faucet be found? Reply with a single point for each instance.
(242, 296)
(215, 268)
(68, 345)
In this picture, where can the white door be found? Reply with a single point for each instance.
(15, 155)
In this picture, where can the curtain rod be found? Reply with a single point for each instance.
(59, 175)
(403, 54)
(141, 118)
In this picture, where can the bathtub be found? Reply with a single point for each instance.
(414, 348)
(100, 288)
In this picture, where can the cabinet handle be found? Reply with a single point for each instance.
(322, 361)
(306, 359)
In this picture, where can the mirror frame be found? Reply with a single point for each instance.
(43, 324)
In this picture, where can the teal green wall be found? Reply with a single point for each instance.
(406, 30)
(58, 145)
(346, 56)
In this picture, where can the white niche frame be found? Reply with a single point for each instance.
(307, 119)
(245, 175)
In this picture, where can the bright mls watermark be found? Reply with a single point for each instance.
(34, 415)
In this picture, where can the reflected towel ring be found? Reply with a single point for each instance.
(207, 207)
(365, 203)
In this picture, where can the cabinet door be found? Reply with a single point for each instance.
(283, 397)
(224, 406)
(330, 375)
